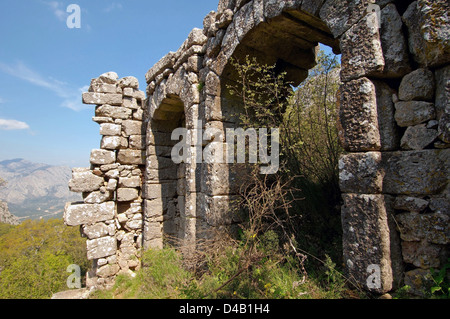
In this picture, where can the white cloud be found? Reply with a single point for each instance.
(10, 125)
(58, 9)
(2, 100)
(71, 97)
(113, 6)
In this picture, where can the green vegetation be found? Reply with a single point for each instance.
(34, 257)
(441, 282)
(226, 274)
(307, 117)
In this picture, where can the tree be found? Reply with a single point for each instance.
(307, 118)
(34, 257)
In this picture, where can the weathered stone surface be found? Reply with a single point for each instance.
(389, 133)
(127, 194)
(413, 113)
(72, 294)
(83, 180)
(219, 210)
(366, 239)
(428, 28)
(416, 172)
(101, 247)
(137, 142)
(113, 142)
(362, 54)
(417, 85)
(421, 254)
(130, 103)
(432, 227)
(96, 231)
(109, 111)
(108, 270)
(130, 182)
(110, 129)
(412, 204)
(108, 77)
(102, 98)
(444, 128)
(358, 119)
(393, 43)
(130, 157)
(129, 82)
(98, 197)
(361, 173)
(132, 127)
(341, 15)
(102, 157)
(418, 137)
(97, 87)
(163, 190)
(442, 91)
(195, 37)
(166, 62)
(77, 214)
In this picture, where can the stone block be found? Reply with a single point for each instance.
(393, 43)
(98, 197)
(421, 254)
(409, 203)
(102, 98)
(127, 194)
(361, 173)
(137, 142)
(389, 132)
(113, 142)
(130, 127)
(413, 113)
(427, 22)
(358, 116)
(129, 82)
(418, 137)
(367, 241)
(341, 15)
(442, 91)
(96, 231)
(83, 180)
(164, 190)
(416, 172)
(101, 247)
(131, 157)
(110, 129)
(362, 54)
(76, 214)
(417, 85)
(114, 112)
(417, 227)
(218, 210)
(130, 182)
(102, 157)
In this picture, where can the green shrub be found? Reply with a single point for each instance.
(34, 257)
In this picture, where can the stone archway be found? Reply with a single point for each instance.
(394, 121)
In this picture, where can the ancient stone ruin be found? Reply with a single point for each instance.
(394, 124)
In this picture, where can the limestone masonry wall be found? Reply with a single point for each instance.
(394, 124)
(111, 214)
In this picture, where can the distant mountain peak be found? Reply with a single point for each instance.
(33, 186)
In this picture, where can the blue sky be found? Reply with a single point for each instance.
(45, 66)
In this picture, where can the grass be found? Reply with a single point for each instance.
(227, 275)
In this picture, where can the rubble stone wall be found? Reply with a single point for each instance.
(394, 123)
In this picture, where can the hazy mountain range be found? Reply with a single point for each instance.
(35, 190)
